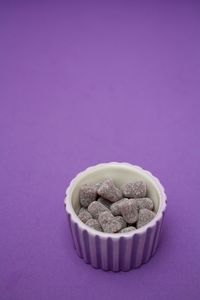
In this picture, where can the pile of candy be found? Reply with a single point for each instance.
(107, 208)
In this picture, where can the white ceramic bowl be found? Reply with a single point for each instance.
(119, 251)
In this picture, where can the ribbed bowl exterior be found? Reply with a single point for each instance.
(116, 254)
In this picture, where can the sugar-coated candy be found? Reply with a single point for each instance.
(135, 189)
(109, 191)
(110, 209)
(144, 203)
(115, 207)
(84, 215)
(87, 194)
(113, 225)
(95, 208)
(105, 202)
(129, 211)
(104, 217)
(144, 217)
(127, 229)
(98, 184)
(109, 223)
(121, 220)
(94, 224)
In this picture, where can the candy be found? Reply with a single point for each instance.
(112, 226)
(115, 207)
(87, 194)
(136, 189)
(129, 211)
(84, 215)
(94, 224)
(109, 223)
(98, 184)
(105, 202)
(104, 217)
(121, 220)
(111, 212)
(144, 203)
(95, 208)
(127, 229)
(144, 217)
(109, 191)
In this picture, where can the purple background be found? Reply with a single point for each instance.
(89, 82)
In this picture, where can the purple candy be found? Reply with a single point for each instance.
(128, 229)
(129, 211)
(94, 224)
(135, 189)
(104, 217)
(121, 220)
(110, 212)
(112, 226)
(95, 208)
(115, 207)
(144, 203)
(84, 215)
(87, 194)
(105, 202)
(145, 216)
(109, 191)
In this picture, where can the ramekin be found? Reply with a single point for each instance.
(119, 251)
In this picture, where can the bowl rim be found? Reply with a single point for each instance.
(154, 180)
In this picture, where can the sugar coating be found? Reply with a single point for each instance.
(144, 217)
(116, 210)
(113, 225)
(109, 191)
(104, 217)
(87, 194)
(94, 224)
(95, 208)
(105, 202)
(144, 203)
(109, 223)
(121, 220)
(127, 229)
(115, 207)
(84, 215)
(129, 211)
(135, 189)
(98, 184)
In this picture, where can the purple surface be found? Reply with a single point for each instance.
(87, 83)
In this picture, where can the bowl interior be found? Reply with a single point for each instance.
(120, 174)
